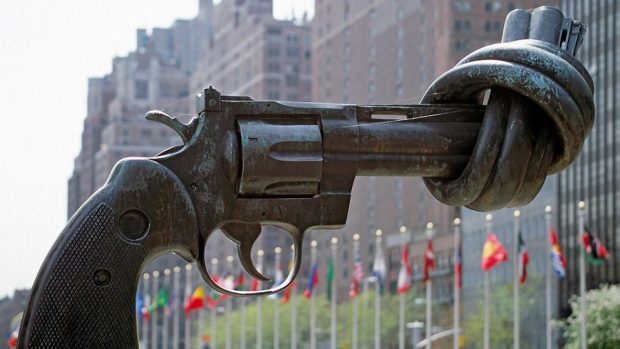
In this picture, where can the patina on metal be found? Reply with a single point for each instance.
(488, 133)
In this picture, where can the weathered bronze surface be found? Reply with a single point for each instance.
(245, 164)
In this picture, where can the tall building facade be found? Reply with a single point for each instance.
(254, 54)
(389, 51)
(594, 177)
(154, 76)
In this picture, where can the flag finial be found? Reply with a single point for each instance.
(517, 213)
(403, 229)
(581, 205)
(548, 209)
(379, 232)
(356, 237)
(457, 221)
(334, 240)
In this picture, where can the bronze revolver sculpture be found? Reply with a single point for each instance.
(486, 135)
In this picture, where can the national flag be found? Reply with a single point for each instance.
(287, 291)
(12, 342)
(330, 278)
(240, 284)
(313, 280)
(493, 252)
(356, 277)
(523, 259)
(146, 312)
(596, 253)
(458, 265)
(379, 269)
(196, 301)
(161, 301)
(255, 285)
(405, 273)
(14, 326)
(429, 260)
(557, 257)
(277, 281)
(139, 303)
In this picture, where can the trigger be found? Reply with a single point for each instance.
(245, 235)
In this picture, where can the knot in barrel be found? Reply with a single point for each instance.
(538, 113)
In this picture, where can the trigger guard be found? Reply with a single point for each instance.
(297, 242)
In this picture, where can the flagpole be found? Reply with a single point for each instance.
(154, 331)
(429, 294)
(176, 320)
(356, 250)
(313, 245)
(213, 341)
(164, 339)
(516, 280)
(457, 291)
(548, 272)
(242, 341)
(333, 295)
(188, 293)
(401, 303)
(489, 224)
(276, 302)
(366, 306)
(378, 234)
(582, 276)
(293, 310)
(259, 306)
(229, 259)
(145, 322)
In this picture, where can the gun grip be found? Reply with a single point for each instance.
(84, 294)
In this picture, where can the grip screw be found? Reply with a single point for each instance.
(102, 277)
(133, 225)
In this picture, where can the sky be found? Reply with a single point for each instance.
(49, 49)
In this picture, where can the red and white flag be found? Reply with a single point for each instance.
(405, 273)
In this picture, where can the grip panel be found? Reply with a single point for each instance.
(84, 294)
(94, 321)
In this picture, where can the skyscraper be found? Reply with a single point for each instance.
(594, 177)
(389, 52)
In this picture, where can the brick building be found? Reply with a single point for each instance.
(384, 51)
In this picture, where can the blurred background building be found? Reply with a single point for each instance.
(594, 176)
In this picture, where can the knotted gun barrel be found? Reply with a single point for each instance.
(488, 133)
(538, 115)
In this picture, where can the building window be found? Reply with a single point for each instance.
(273, 50)
(273, 67)
(273, 95)
(141, 89)
(487, 26)
(292, 52)
(292, 80)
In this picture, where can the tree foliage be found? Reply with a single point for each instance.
(366, 313)
(602, 319)
(501, 315)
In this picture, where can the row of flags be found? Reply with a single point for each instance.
(493, 253)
